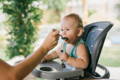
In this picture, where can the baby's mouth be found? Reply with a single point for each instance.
(64, 38)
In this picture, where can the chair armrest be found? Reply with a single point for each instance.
(96, 75)
(106, 74)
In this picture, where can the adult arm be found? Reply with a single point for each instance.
(53, 54)
(21, 70)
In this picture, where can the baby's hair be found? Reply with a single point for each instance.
(77, 19)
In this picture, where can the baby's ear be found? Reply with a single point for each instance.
(81, 30)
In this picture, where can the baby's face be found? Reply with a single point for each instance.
(69, 30)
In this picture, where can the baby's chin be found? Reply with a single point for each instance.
(70, 42)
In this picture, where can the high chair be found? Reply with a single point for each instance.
(94, 37)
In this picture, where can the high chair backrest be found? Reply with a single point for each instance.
(94, 37)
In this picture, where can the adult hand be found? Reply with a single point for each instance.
(51, 40)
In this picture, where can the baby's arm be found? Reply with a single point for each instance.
(82, 61)
(50, 56)
(53, 54)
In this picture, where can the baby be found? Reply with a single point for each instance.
(72, 50)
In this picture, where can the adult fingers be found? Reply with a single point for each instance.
(55, 32)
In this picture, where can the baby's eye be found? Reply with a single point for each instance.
(67, 29)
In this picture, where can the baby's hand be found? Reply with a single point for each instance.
(43, 60)
(63, 56)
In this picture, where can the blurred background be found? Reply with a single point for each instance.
(25, 23)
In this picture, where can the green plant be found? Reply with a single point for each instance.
(22, 16)
(55, 7)
(91, 12)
